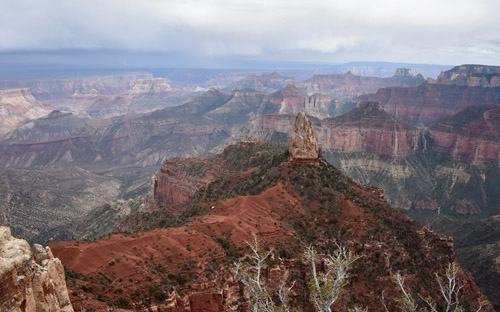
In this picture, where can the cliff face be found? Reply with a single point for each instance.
(18, 106)
(365, 129)
(472, 76)
(31, 280)
(429, 103)
(369, 129)
(471, 136)
(172, 185)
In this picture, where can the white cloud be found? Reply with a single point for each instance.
(422, 30)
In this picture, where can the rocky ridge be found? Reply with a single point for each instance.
(54, 89)
(289, 204)
(349, 85)
(471, 75)
(30, 279)
(264, 82)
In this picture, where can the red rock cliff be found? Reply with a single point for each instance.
(472, 136)
(429, 103)
(369, 129)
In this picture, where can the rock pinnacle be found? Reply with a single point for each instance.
(303, 144)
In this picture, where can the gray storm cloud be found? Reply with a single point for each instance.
(445, 31)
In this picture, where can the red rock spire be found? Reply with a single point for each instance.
(303, 143)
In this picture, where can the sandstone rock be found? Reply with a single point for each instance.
(303, 142)
(30, 280)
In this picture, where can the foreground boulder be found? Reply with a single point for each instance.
(31, 279)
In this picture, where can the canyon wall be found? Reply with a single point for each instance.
(471, 136)
(368, 129)
(429, 103)
(53, 89)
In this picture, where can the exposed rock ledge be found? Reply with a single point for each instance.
(31, 280)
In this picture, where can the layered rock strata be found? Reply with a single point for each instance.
(369, 129)
(430, 103)
(472, 136)
(32, 280)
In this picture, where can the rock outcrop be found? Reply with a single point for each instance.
(303, 144)
(31, 280)
(472, 76)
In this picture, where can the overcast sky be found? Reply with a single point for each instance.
(313, 31)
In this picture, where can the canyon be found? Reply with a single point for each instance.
(367, 143)
(432, 147)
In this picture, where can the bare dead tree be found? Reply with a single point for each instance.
(406, 303)
(325, 287)
(250, 274)
(449, 287)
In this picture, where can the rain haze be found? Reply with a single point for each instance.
(244, 33)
